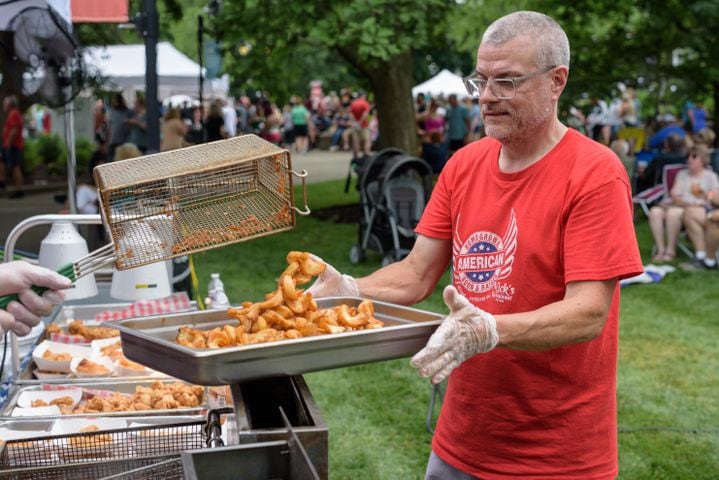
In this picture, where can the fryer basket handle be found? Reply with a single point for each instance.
(303, 176)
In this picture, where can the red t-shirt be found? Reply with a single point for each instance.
(518, 239)
(13, 120)
(358, 107)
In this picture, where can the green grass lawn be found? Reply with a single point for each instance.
(668, 385)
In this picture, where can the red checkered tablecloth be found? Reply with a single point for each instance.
(174, 303)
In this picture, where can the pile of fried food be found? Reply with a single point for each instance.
(286, 313)
(158, 396)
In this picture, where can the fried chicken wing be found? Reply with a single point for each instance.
(89, 367)
(78, 327)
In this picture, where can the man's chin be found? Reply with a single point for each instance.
(499, 134)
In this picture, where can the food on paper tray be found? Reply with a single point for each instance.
(52, 356)
(112, 350)
(78, 331)
(78, 327)
(87, 367)
(43, 399)
(60, 402)
(104, 358)
(127, 368)
(286, 313)
(56, 357)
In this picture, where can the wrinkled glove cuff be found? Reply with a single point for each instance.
(349, 285)
(485, 332)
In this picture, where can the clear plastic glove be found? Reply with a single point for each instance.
(332, 283)
(17, 278)
(465, 332)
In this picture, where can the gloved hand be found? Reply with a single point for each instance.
(466, 331)
(17, 278)
(332, 283)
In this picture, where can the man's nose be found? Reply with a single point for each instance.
(487, 95)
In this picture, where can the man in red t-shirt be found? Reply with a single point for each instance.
(536, 220)
(360, 110)
(12, 145)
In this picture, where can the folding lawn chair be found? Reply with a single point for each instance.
(653, 195)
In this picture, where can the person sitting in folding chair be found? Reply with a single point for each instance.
(700, 182)
(687, 190)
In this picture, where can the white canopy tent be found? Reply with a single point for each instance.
(444, 83)
(123, 67)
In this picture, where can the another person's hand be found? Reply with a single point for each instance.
(17, 278)
(465, 332)
(332, 283)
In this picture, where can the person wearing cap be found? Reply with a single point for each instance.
(535, 220)
(17, 278)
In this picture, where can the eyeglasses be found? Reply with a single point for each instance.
(502, 88)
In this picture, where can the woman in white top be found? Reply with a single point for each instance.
(696, 184)
(686, 205)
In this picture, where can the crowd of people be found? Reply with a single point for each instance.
(443, 127)
(683, 142)
(344, 121)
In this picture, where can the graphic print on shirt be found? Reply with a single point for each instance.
(482, 260)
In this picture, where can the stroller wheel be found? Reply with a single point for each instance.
(356, 254)
(388, 260)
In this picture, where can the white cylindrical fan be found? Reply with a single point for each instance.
(63, 245)
(148, 281)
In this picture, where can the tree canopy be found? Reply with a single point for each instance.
(667, 50)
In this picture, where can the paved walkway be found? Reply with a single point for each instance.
(321, 165)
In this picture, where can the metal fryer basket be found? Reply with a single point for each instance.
(192, 199)
(75, 448)
(165, 467)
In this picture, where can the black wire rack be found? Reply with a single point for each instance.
(98, 454)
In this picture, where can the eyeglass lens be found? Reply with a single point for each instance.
(501, 88)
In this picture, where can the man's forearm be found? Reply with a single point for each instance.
(580, 316)
(393, 284)
(411, 280)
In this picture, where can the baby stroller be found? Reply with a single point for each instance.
(394, 189)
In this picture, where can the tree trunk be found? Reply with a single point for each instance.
(392, 86)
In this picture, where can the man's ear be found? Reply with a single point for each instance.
(559, 80)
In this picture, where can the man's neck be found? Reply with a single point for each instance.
(516, 156)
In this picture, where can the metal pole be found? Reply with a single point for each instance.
(150, 33)
(200, 47)
(71, 158)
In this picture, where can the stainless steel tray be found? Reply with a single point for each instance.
(62, 317)
(151, 341)
(27, 377)
(118, 386)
